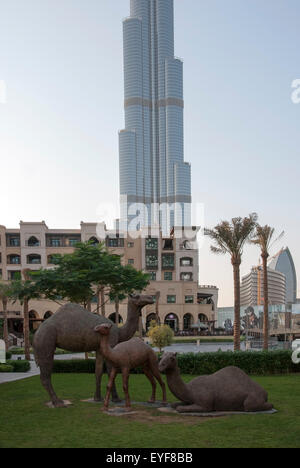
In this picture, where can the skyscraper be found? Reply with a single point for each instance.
(154, 179)
(283, 262)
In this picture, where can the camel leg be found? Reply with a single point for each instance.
(149, 375)
(191, 409)
(157, 375)
(115, 397)
(125, 376)
(44, 348)
(98, 374)
(46, 371)
(109, 387)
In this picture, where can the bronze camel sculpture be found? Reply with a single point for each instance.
(72, 328)
(229, 389)
(126, 356)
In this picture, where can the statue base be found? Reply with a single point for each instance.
(117, 411)
(51, 405)
(216, 414)
(157, 404)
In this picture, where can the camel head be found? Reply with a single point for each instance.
(168, 362)
(103, 329)
(140, 301)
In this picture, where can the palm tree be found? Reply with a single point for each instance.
(25, 291)
(4, 298)
(230, 237)
(263, 238)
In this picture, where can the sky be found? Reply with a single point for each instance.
(62, 65)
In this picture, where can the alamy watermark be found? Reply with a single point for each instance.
(296, 356)
(3, 92)
(177, 220)
(295, 96)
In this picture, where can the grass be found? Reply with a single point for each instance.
(26, 422)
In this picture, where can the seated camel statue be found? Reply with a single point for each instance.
(229, 389)
(126, 356)
(72, 328)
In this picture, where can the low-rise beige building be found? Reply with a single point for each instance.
(172, 264)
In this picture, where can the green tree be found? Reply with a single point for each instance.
(230, 238)
(5, 292)
(79, 276)
(263, 238)
(124, 281)
(161, 335)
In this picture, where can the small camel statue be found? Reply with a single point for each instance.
(126, 356)
(72, 328)
(229, 389)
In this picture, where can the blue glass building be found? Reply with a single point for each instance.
(284, 263)
(152, 168)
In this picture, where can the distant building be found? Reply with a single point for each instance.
(283, 262)
(252, 287)
(171, 262)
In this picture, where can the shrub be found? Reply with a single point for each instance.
(8, 355)
(253, 363)
(258, 363)
(19, 366)
(74, 366)
(161, 336)
(6, 368)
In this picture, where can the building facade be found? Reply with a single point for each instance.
(172, 263)
(155, 182)
(252, 287)
(283, 262)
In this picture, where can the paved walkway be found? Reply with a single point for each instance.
(14, 376)
(203, 348)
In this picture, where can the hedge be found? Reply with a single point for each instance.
(8, 355)
(19, 366)
(6, 368)
(76, 366)
(253, 363)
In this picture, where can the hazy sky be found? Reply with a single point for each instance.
(62, 62)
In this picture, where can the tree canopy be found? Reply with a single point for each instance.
(76, 276)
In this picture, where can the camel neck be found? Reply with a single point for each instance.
(177, 385)
(106, 350)
(132, 324)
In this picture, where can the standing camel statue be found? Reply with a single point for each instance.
(229, 389)
(72, 328)
(127, 356)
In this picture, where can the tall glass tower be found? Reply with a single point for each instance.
(155, 182)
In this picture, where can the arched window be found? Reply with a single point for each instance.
(186, 276)
(94, 241)
(48, 315)
(172, 321)
(33, 320)
(186, 261)
(150, 318)
(14, 259)
(112, 317)
(33, 242)
(187, 321)
(202, 318)
(34, 259)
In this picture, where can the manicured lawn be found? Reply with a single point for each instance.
(26, 422)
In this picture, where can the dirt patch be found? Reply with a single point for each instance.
(155, 417)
